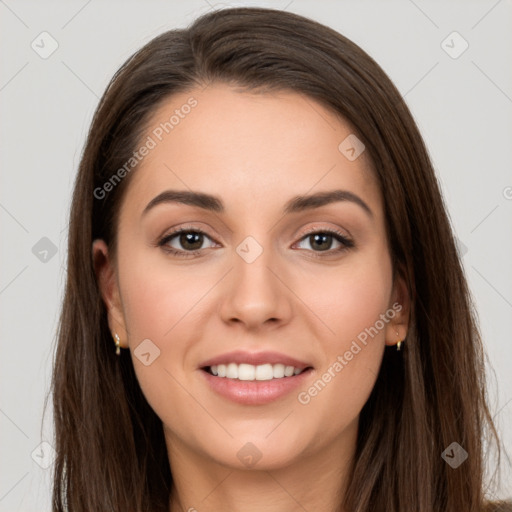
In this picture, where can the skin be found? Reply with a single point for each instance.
(255, 152)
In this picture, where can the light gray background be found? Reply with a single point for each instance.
(463, 107)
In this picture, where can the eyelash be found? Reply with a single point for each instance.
(340, 237)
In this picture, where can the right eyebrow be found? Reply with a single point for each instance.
(199, 199)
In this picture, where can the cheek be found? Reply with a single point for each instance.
(353, 302)
(351, 297)
(158, 296)
(165, 303)
(161, 303)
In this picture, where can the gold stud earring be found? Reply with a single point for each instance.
(118, 346)
(399, 342)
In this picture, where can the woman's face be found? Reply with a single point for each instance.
(272, 261)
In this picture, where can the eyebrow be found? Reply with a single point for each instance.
(295, 205)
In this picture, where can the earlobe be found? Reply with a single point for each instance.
(107, 283)
(397, 328)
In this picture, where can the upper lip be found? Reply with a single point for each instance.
(255, 358)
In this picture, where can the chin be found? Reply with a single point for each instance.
(253, 452)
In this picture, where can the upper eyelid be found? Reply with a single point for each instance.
(316, 229)
(309, 231)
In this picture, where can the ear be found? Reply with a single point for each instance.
(109, 287)
(396, 329)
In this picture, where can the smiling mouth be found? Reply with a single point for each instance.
(249, 372)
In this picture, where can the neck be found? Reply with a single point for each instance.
(315, 481)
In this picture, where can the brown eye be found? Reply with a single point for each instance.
(326, 241)
(191, 241)
(321, 241)
(185, 242)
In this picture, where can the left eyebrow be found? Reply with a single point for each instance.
(295, 205)
(301, 203)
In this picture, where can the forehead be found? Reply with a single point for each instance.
(241, 145)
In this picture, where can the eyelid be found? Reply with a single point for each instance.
(342, 238)
(323, 229)
(169, 232)
(164, 239)
(345, 240)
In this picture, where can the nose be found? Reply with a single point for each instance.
(255, 294)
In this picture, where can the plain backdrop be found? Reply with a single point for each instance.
(461, 101)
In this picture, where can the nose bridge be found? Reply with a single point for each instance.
(254, 293)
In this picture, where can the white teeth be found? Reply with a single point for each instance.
(244, 371)
(278, 371)
(288, 371)
(232, 371)
(251, 372)
(264, 372)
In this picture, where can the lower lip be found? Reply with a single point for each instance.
(257, 392)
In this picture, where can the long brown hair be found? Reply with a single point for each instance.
(111, 453)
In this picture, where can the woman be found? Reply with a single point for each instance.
(265, 309)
